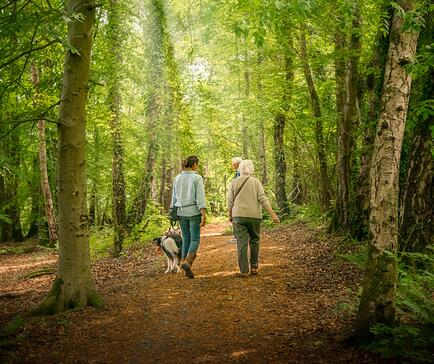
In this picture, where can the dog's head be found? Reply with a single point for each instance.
(175, 234)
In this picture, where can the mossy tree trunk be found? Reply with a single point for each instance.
(297, 190)
(347, 127)
(262, 137)
(375, 79)
(417, 198)
(73, 286)
(115, 104)
(11, 229)
(279, 127)
(154, 111)
(316, 113)
(377, 303)
(280, 164)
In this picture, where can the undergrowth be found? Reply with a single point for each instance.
(411, 339)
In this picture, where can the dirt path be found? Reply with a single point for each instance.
(292, 312)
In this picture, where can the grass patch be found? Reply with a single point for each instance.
(100, 241)
(25, 247)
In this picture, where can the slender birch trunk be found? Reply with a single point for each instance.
(45, 186)
(377, 303)
(375, 85)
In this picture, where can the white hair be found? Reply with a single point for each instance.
(246, 167)
(236, 160)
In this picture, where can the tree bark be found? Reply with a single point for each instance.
(347, 127)
(316, 113)
(45, 185)
(279, 130)
(115, 105)
(35, 192)
(375, 85)
(14, 229)
(280, 164)
(73, 286)
(296, 193)
(153, 108)
(417, 199)
(340, 45)
(262, 144)
(417, 214)
(245, 134)
(377, 303)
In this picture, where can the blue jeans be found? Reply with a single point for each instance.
(190, 227)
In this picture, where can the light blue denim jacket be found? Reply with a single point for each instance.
(188, 190)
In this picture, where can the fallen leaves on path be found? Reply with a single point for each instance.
(297, 310)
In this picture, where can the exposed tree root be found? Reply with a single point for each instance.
(41, 272)
(56, 301)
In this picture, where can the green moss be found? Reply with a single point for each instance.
(53, 303)
(94, 299)
(12, 326)
(45, 308)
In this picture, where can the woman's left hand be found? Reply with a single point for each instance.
(203, 221)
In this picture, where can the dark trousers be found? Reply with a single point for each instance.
(247, 230)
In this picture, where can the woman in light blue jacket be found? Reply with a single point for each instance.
(189, 196)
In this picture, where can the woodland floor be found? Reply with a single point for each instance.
(297, 310)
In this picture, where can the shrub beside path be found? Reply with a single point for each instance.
(297, 310)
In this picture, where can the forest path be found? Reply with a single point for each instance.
(290, 313)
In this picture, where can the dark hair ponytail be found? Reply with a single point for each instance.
(189, 161)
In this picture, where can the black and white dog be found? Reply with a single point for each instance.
(171, 245)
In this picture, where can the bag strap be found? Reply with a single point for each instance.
(239, 190)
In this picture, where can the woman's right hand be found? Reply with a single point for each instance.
(275, 218)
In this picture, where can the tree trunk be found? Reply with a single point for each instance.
(115, 105)
(142, 198)
(158, 57)
(3, 224)
(347, 127)
(377, 303)
(417, 198)
(316, 113)
(35, 192)
(296, 193)
(73, 286)
(340, 45)
(262, 154)
(375, 86)
(13, 211)
(245, 134)
(417, 214)
(45, 186)
(280, 165)
(262, 145)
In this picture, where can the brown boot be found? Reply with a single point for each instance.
(188, 262)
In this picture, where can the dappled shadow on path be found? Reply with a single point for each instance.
(289, 313)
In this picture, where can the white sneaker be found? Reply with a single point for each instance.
(232, 241)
